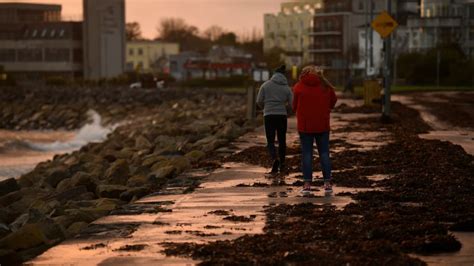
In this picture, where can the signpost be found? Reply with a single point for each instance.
(384, 24)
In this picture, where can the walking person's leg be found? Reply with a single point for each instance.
(270, 130)
(307, 159)
(322, 142)
(281, 134)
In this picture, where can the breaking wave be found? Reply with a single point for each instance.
(92, 132)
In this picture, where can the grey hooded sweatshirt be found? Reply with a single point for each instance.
(274, 95)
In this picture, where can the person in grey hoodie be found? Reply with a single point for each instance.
(273, 97)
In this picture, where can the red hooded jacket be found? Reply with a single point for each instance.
(312, 103)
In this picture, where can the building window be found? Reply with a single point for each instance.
(61, 33)
(53, 32)
(77, 55)
(57, 55)
(361, 5)
(30, 55)
(131, 51)
(7, 55)
(43, 34)
(140, 51)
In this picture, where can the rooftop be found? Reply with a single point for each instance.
(49, 7)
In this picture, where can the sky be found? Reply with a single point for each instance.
(240, 16)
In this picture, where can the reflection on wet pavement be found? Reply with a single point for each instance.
(229, 203)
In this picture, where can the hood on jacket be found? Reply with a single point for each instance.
(311, 80)
(279, 78)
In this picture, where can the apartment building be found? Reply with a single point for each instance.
(36, 44)
(336, 35)
(11, 12)
(150, 56)
(290, 29)
(440, 21)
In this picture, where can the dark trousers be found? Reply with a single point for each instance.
(322, 143)
(276, 125)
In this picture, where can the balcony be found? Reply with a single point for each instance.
(325, 33)
(323, 50)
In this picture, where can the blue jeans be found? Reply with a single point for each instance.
(322, 142)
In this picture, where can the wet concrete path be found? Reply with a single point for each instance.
(225, 206)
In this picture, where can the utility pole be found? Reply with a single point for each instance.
(387, 74)
(371, 35)
(366, 38)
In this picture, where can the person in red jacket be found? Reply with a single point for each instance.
(313, 100)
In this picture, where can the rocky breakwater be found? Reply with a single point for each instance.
(62, 196)
(66, 107)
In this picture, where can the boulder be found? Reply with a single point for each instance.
(4, 230)
(10, 198)
(142, 143)
(70, 194)
(137, 180)
(132, 193)
(162, 173)
(195, 156)
(54, 175)
(10, 257)
(118, 173)
(37, 229)
(110, 191)
(152, 159)
(79, 179)
(180, 163)
(75, 228)
(7, 186)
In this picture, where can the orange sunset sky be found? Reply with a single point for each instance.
(237, 15)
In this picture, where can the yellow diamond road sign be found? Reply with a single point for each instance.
(384, 24)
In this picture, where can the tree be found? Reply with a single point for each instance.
(133, 31)
(213, 33)
(175, 30)
(273, 57)
(228, 38)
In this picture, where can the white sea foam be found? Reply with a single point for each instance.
(92, 132)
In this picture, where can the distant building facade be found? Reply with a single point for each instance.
(35, 44)
(219, 62)
(150, 56)
(290, 29)
(29, 13)
(104, 38)
(441, 21)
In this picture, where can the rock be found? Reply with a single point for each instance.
(142, 143)
(118, 173)
(71, 194)
(36, 230)
(181, 163)
(28, 236)
(46, 207)
(9, 257)
(4, 230)
(7, 186)
(138, 180)
(79, 179)
(110, 191)
(230, 130)
(10, 198)
(55, 175)
(75, 228)
(130, 194)
(152, 159)
(195, 156)
(162, 173)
